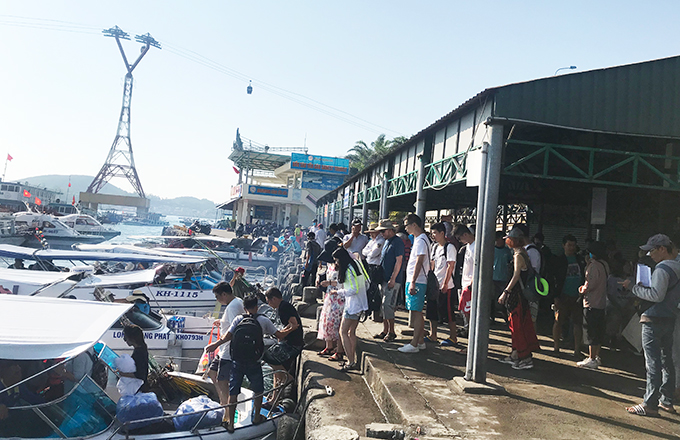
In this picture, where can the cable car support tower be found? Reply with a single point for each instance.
(120, 161)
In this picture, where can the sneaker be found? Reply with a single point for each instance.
(421, 346)
(588, 363)
(524, 364)
(408, 348)
(508, 360)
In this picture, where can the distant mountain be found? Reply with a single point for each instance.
(180, 206)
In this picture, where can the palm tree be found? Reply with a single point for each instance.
(362, 156)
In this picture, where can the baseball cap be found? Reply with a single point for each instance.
(656, 241)
(515, 232)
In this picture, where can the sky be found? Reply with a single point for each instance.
(324, 74)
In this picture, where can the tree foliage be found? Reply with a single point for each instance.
(362, 156)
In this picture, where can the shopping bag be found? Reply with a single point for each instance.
(207, 357)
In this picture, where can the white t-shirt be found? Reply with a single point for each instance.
(373, 250)
(534, 257)
(358, 244)
(268, 327)
(234, 308)
(421, 246)
(441, 262)
(320, 237)
(468, 265)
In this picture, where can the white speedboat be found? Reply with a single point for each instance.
(88, 225)
(65, 330)
(58, 236)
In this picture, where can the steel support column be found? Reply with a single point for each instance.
(420, 191)
(384, 212)
(482, 284)
(364, 206)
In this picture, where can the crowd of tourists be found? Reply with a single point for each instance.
(587, 292)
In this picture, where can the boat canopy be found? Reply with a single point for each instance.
(183, 237)
(34, 328)
(119, 279)
(36, 278)
(10, 251)
(126, 248)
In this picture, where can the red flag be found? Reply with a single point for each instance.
(74, 200)
(9, 157)
(38, 201)
(26, 193)
(236, 170)
(69, 184)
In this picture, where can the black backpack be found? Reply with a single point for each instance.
(247, 344)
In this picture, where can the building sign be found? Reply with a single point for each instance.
(322, 164)
(267, 191)
(326, 182)
(263, 212)
(236, 191)
(345, 199)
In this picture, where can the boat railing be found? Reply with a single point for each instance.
(124, 426)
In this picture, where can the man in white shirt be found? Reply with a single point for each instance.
(355, 242)
(220, 368)
(416, 282)
(443, 263)
(373, 249)
(320, 235)
(463, 234)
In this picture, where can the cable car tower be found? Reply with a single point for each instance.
(120, 162)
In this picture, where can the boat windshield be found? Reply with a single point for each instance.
(85, 411)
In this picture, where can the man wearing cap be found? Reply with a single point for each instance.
(371, 253)
(391, 256)
(658, 322)
(355, 242)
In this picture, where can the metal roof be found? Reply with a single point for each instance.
(258, 160)
(637, 99)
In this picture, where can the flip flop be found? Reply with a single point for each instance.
(641, 410)
(229, 427)
(380, 335)
(668, 408)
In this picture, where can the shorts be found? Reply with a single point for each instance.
(569, 307)
(443, 308)
(352, 316)
(594, 326)
(389, 300)
(415, 303)
(253, 371)
(281, 353)
(222, 367)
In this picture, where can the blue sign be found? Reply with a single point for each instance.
(325, 182)
(267, 191)
(321, 164)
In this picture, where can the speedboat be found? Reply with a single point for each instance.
(88, 225)
(8, 233)
(36, 226)
(71, 329)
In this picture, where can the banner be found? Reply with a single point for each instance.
(263, 212)
(326, 182)
(345, 199)
(322, 164)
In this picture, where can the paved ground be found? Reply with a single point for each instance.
(555, 400)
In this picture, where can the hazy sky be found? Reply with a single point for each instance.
(390, 67)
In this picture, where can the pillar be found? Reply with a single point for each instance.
(364, 206)
(482, 284)
(420, 192)
(384, 212)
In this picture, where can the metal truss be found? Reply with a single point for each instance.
(404, 184)
(446, 171)
(592, 165)
(120, 162)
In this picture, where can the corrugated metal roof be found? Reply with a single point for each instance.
(636, 99)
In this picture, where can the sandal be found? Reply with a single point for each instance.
(380, 335)
(228, 426)
(259, 419)
(668, 408)
(337, 357)
(347, 367)
(390, 337)
(641, 410)
(325, 352)
(428, 338)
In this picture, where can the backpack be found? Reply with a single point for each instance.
(536, 286)
(541, 267)
(99, 372)
(247, 344)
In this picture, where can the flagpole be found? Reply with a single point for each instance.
(68, 189)
(5, 171)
